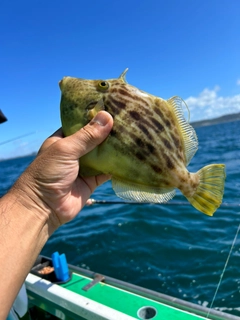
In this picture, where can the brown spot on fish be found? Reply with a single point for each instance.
(168, 123)
(140, 156)
(182, 179)
(167, 113)
(114, 90)
(168, 161)
(112, 109)
(165, 116)
(139, 142)
(125, 92)
(176, 141)
(135, 115)
(194, 184)
(156, 168)
(158, 112)
(142, 101)
(179, 155)
(157, 124)
(144, 130)
(150, 147)
(118, 104)
(146, 122)
(167, 144)
(165, 183)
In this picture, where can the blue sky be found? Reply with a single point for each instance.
(189, 48)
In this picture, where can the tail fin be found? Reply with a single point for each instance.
(208, 196)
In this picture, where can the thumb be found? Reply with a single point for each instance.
(90, 136)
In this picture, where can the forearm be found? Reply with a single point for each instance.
(23, 232)
(48, 194)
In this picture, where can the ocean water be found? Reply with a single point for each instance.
(170, 248)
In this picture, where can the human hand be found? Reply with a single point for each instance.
(51, 186)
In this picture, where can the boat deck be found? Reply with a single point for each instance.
(88, 296)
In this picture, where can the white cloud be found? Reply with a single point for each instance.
(209, 104)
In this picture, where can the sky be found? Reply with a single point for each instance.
(189, 48)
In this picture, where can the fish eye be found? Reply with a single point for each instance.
(103, 85)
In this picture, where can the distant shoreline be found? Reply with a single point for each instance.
(208, 122)
(32, 154)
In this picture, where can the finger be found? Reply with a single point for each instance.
(95, 181)
(86, 139)
(92, 183)
(57, 135)
(101, 178)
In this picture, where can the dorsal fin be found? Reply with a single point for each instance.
(123, 75)
(189, 135)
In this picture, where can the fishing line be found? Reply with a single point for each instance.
(16, 138)
(92, 201)
(224, 269)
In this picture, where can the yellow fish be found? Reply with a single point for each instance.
(149, 146)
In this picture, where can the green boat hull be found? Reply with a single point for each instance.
(93, 297)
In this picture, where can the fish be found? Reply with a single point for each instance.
(149, 147)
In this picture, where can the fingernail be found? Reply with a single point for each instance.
(101, 119)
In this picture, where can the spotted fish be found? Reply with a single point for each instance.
(149, 146)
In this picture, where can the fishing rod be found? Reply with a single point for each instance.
(2, 117)
(92, 201)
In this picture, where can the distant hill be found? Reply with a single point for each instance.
(222, 119)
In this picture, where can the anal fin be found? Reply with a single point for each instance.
(141, 193)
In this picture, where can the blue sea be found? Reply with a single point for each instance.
(170, 248)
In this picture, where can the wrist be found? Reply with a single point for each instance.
(24, 231)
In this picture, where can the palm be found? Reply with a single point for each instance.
(55, 171)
